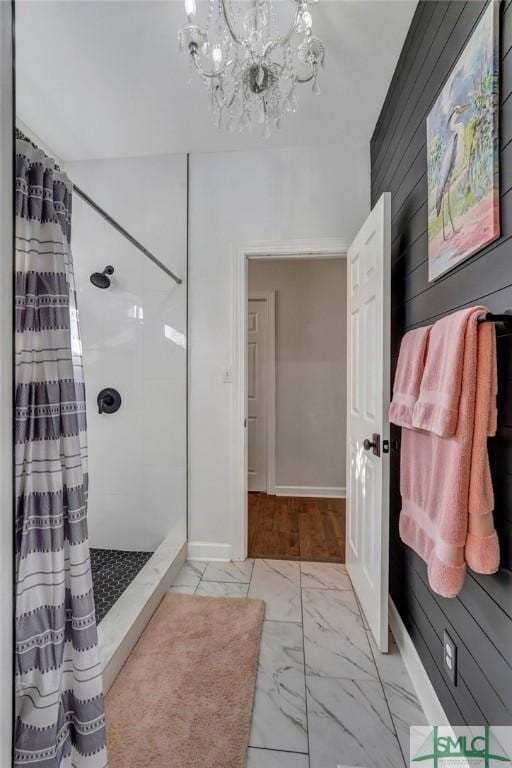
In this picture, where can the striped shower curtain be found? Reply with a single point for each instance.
(59, 703)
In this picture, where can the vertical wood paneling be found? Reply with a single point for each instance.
(480, 619)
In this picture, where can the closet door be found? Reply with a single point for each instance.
(368, 351)
(257, 396)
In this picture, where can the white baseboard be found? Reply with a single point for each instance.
(209, 550)
(425, 692)
(322, 492)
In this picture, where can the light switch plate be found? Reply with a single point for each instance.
(227, 375)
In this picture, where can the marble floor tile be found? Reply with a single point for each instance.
(279, 715)
(404, 704)
(324, 576)
(406, 711)
(270, 758)
(335, 640)
(349, 724)
(190, 574)
(391, 665)
(184, 590)
(221, 589)
(277, 582)
(363, 616)
(229, 572)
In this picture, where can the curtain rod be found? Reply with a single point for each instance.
(113, 223)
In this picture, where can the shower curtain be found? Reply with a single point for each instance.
(59, 703)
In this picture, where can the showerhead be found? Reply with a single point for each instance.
(101, 279)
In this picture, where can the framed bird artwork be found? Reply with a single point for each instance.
(463, 153)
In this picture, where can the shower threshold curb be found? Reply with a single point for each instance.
(122, 626)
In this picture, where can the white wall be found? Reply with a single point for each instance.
(138, 489)
(134, 339)
(6, 343)
(310, 352)
(236, 198)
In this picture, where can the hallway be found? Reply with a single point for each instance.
(296, 528)
(325, 697)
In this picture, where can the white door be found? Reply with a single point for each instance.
(368, 337)
(257, 321)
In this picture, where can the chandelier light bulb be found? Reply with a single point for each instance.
(217, 56)
(307, 19)
(190, 8)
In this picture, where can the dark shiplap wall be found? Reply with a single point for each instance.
(480, 619)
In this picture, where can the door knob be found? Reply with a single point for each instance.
(373, 444)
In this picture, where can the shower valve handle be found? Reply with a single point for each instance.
(109, 400)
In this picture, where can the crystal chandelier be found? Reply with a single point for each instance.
(249, 67)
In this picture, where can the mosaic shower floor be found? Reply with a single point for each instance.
(112, 571)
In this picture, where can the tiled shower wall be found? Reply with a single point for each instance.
(134, 339)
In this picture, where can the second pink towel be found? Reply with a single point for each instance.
(409, 373)
(447, 497)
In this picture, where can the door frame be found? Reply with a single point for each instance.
(270, 384)
(319, 248)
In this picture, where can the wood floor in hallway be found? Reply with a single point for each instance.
(293, 528)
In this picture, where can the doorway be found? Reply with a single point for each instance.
(296, 408)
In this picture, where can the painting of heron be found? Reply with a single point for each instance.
(462, 145)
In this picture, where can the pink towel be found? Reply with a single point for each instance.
(447, 497)
(409, 372)
(437, 408)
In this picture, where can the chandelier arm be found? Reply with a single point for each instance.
(203, 72)
(229, 25)
(314, 72)
(282, 41)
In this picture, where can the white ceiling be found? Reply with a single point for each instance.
(105, 79)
